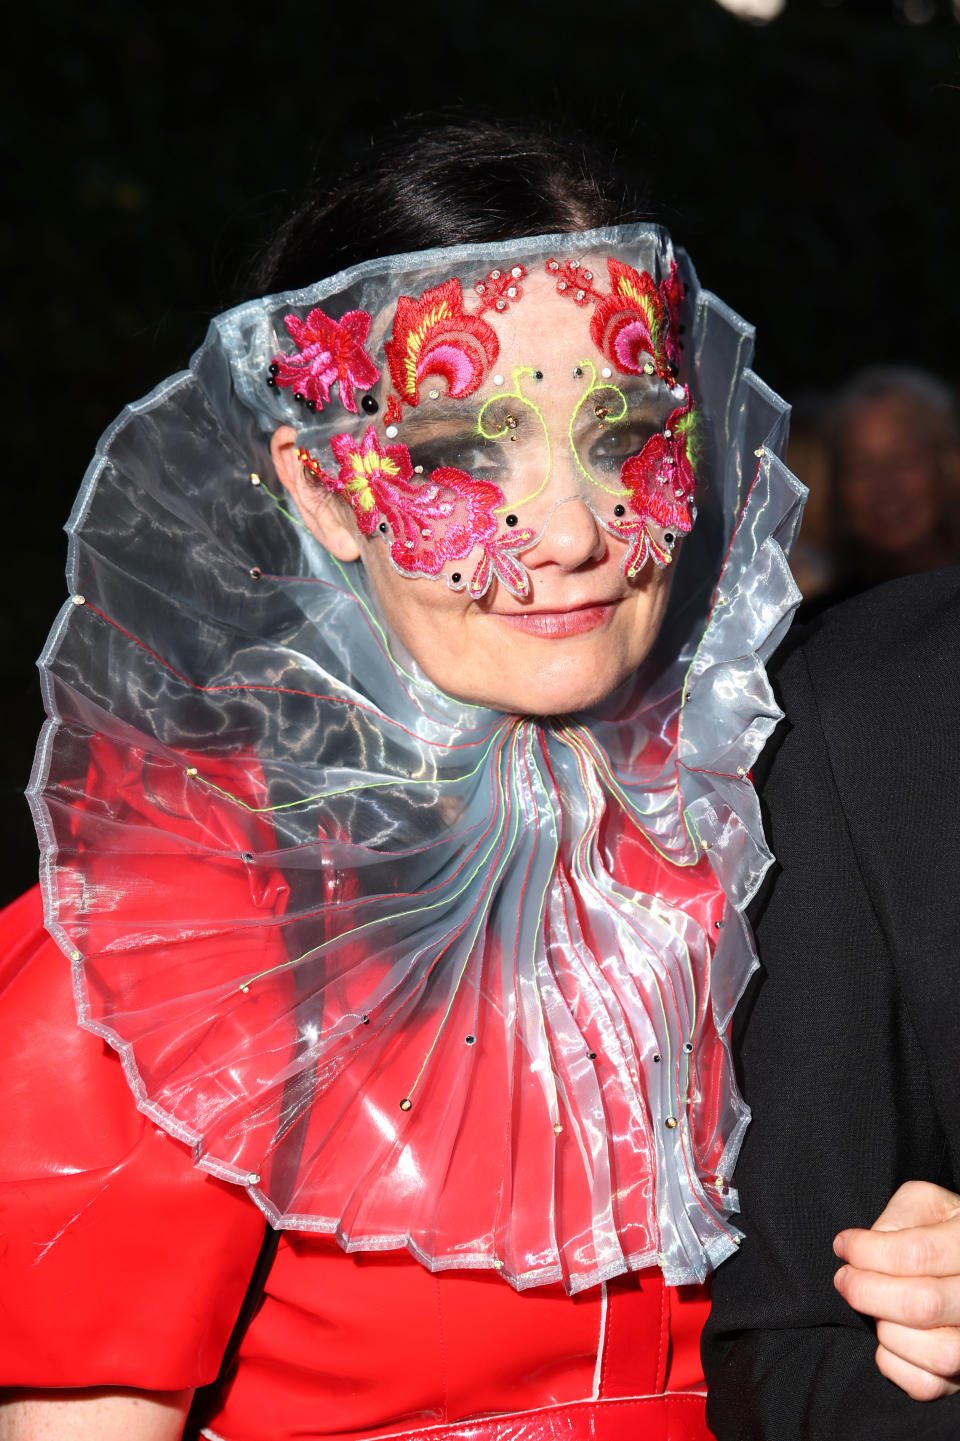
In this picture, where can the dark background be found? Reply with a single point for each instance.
(808, 164)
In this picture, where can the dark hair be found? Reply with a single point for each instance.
(446, 185)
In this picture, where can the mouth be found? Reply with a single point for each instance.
(559, 624)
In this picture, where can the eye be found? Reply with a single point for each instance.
(616, 443)
(465, 452)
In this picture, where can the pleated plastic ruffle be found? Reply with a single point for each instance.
(414, 972)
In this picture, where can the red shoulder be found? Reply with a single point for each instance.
(122, 1263)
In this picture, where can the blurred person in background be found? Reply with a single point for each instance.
(893, 451)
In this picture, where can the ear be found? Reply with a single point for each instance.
(328, 522)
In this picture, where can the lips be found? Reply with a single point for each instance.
(559, 624)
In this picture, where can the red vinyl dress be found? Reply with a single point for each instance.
(124, 1264)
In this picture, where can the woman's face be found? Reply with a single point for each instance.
(584, 627)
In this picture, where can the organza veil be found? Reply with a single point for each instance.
(413, 971)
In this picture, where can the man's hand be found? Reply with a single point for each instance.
(905, 1272)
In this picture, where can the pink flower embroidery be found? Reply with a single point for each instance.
(443, 518)
(662, 485)
(329, 351)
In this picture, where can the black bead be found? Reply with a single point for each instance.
(271, 382)
(591, 1055)
(619, 510)
(538, 375)
(456, 577)
(370, 405)
(311, 405)
(365, 1020)
(382, 527)
(255, 572)
(511, 519)
(656, 1058)
(299, 396)
(274, 369)
(470, 1040)
(669, 537)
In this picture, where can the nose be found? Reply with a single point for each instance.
(570, 538)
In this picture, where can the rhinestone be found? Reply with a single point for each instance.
(512, 291)
(553, 265)
(434, 394)
(480, 288)
(648, 369)
(495, 274)
(517, 271)
(588, 276)
(79, 599)
(561, 285)
(497, 1264)
(581, 295)
(75, 955)
(668, 434)
(253, 1179)
(391, 431)
(498, 380)
(606, 372)
(426, 533)
(511, 421)
(758, 452)
(500, 305)
(418, 470)
(601, 412)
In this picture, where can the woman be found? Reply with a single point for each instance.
(397, 821)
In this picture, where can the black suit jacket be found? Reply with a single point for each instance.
(849, 1038)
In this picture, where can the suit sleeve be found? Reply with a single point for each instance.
(842, 1071)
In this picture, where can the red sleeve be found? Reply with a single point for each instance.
(121, 1263)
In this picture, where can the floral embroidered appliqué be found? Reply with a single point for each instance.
(329, 351)
(637, 318)
(500, 288)
(435, 336)
(662, 485)
(443, 518)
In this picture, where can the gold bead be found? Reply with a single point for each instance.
(245, 988)
(557, 1129)
(254, 478)
(497, 1264)
(406, 1104)
(671, 1123)
(79, 599)
(191, 770)
(253, 1179)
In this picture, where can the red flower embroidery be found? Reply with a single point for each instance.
(662, 484)
(435, 336)
(637, 318)
(499, 289)
(328, 351)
